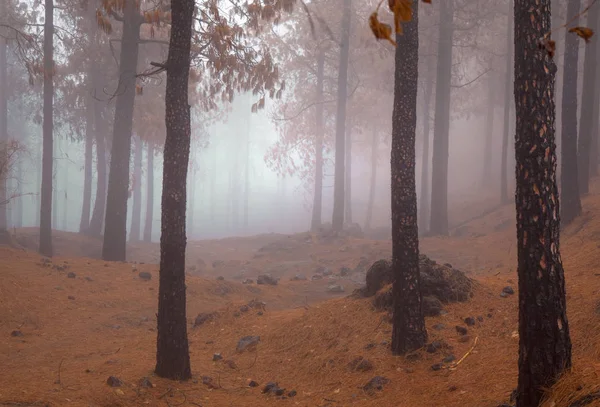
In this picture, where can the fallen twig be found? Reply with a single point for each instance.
(454, 365)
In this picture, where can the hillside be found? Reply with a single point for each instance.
(71, 334)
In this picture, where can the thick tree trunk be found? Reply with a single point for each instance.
(373, 183)
(149, 194)
(340, 121)
(507, 96)
(544, 342)
(489, 131)
(45, 246)
(3, 130)
(172, 355)
(114, 247)
(84, 223)
(441, 130)
(569, 180)
(191, 201)
(97, 221)
(348, 176)
(424, 207)
(408, 332)
(136, 214)
(317, 208)
(589, 107)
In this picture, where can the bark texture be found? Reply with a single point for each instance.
(3, 128)
(45, 247)
(569, 180)
(340, 121)
(317, 208)
(489, 130)
(544, 342)
(408, 332)
(84, 222)
(424, 207)
(439, 184)
(149, 193)
(507, 87)
(97, 220)
(373, 181)
(172, 355)
(348, 176)
(136, 213)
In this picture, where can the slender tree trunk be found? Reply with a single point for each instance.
(593, 155)
(569, 193)
(172, 355)
(507, 96)
(213, 190)
(247, 172)
(489, 131)
(38, 184)
(97, 221)
(55, 170)
(340, 121)
(65, 193)
(136, 215)
(441, 130)
(348, 173)
(589, 107)
(373, 183)
(19, 199)
(84, 223)
(317, 208)
(544, 342)
(45, 247)
(3, 130)
(425, 177)
(149, 194)
(191, 201)
(408, 332)
(114, 247)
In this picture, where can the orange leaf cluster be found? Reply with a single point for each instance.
(584, 32)
(402, 10)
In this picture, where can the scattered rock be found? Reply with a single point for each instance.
(208, 381)
(247, 343)
(266, 279)
(432, 307)
(344, 271)
(452, 388)
(461, 330)
(89, 278)
(480, 318)
(439, 327)
(70, 297)
(270, 387)
(248, 281)
(144, 275)
(508, 290)
(470, 321)
(216, 357)
(113, 381)
(375, 383)
(16, 334)
(316, 277)
(145, 382)
(370, 346)
(503, 294)
(335, 288)
(436, 366)
(378, 275)
(244, 308)
(204, 317)
(413, 356)
(71, 275)
(220, 278)
(360, 364)
(252, 383)
(299, 277)
(434, 346)
(464, 338)
(255, 304)
(292, 393)
(230, 364)
(449, 359)
(218, 263)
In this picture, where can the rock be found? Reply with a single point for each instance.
(292, 393)
(369, 346)
(255, 304)
(316, 277)
(217, 357)
(362, 265)
(508, 290)
(432, 307)
(464, 338)
(439, 327)
(452, 388)
(375, 383)
(70, 297)
(244, 308)
(360, 364)
(299, 277)
(269, 387)
(461, 330)
(208, 381)
(230, 364)
(279, 392)
(378, 275)
(437, 366)
(16, 334)
(335, 288)
(220, 278)
(413, 356)
(434, 346)
(145, 382)
(88, 279)
(218, 263)
(449, 359)
(204, 317)
(144, 275)
(344, 271)
(480, 318)
(70, 274)
(248, 281)
(470, 321)
(266, 279)
(247, 343)
(252, 383)
(113, 381)
(503, 294)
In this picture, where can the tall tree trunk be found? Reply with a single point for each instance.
(373, 183)
(45, 247)
(114, 247)
(569, 193)
(65, 193)
(84, 223)
(408, 332)
(19, 199)
(38, 183)
(136, 215)
(149, 193)
(589, 108)
(593, 154)
(3, 130)
(97, 221)
(55, 170)
(172, 355)
(544, 341)
(191, 201)
(340, 120)
(317, 208)
(247, 175)
(425, 177)
(213, 190)
(507, 95)
(441, 130)
(348, 176)
(489, 131)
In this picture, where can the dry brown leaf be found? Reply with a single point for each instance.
(380, 30)
(584, 32)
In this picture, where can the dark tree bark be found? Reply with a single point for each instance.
(489, 131)
(544, 342)
(439, 184)
(114, 247)
(340, 121)
(569, 180)
(3, 129)
(425, 177)
(172, 355)
(191, 201)
(507, 87)
(136, 213)
(408, 331)
(318, 193)
(589, 108)
(45, 247)
(373, 182)
(348, 176)
(97, 220)
(84, 223)
(149, 194)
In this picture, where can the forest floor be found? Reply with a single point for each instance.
(62, 335)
